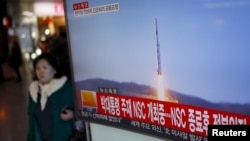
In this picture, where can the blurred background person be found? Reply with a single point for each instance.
(59, 48)
(57, 45)
(44, 45)
(15, 57)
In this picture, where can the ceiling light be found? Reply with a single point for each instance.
(27, 13)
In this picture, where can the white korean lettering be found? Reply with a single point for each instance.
(138, 108)
(177, 117)
(126, 107)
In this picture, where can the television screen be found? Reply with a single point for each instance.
(165, 68)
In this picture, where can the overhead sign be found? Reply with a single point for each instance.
(49, 8)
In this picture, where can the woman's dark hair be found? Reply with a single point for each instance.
(51, 60)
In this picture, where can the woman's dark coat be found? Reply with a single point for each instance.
(61, 94)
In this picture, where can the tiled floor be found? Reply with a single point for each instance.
(13, 105)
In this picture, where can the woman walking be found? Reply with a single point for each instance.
(51, 102)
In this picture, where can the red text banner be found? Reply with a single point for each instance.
(182, 117)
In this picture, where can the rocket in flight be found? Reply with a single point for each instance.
(159, 71)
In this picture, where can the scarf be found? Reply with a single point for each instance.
(46, 90)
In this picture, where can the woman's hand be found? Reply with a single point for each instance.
(67, 114)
